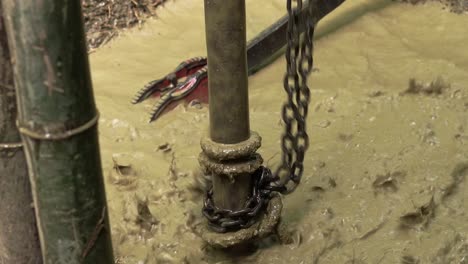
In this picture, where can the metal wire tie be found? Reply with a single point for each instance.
(62, 135)
(11, 145)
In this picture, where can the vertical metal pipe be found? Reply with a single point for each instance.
(227, 71)
(228, 91)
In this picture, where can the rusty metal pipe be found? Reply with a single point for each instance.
(228, 93)
(229, 152)
(228, 85)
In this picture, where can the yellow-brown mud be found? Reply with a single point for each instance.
(386, 171)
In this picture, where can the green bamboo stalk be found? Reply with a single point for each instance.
(57, 118)
(19, 241)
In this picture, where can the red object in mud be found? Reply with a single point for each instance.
(195, 86)
(170, 91)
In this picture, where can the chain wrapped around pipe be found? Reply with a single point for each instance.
(294, 141)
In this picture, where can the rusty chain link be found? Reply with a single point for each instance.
(224, 220)
(294, 141)
(299, 60)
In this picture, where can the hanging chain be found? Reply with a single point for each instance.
(299, 62)
(294, 142)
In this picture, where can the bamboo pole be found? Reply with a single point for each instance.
(19, 241)
(57, 118)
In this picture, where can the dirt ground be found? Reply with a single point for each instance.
(105, 19)
(385, 178)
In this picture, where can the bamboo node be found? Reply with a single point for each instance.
(58, 135)
(11, 145)
(7, 86)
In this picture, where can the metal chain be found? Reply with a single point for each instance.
(225, 220)
(294, 141)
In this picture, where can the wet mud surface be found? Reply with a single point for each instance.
(455, 6)
(385, 178)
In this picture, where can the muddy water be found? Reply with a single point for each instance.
(386, 171)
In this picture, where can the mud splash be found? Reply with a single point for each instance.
(386, 170)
